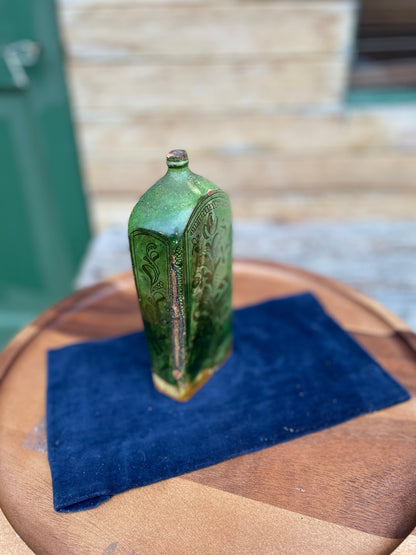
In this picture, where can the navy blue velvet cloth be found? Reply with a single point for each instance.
(293, 371)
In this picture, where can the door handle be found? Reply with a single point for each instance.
(17, 56)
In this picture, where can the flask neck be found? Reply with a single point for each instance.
(177, 159)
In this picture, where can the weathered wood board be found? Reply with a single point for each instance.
(389, 131)
(114, 209)
(130, 90)
(253, 90)
(10, 541)
(209, 31)
(239, 172)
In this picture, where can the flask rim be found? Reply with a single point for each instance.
(177, 158)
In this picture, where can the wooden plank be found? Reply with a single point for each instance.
(127, 4)
(253, 132)
(128, 90)
(10, 542)
(325, 206)
(408, 546)
(250, 29)
(398, 124)
(263, 172)
(114, 209)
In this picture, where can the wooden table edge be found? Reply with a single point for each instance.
(28, 334)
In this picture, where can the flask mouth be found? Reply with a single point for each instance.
(177, 158)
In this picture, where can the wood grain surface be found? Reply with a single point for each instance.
(132, 90)
(207, 31)
(288, 134)
(342, 174)
(114, 209)
(350, 488)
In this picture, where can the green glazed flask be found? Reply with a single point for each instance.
(180, 239)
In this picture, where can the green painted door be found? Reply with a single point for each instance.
(43, 220)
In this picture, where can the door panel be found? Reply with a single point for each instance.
(44, 226)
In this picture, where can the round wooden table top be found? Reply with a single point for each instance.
(348, 489)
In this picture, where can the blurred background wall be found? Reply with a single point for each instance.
(276, 100)
(304, 111)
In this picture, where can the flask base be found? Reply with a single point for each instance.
(183, 392)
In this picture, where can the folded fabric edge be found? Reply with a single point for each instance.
(83, 504)
(90, 502)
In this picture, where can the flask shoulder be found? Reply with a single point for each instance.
(168, 205)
